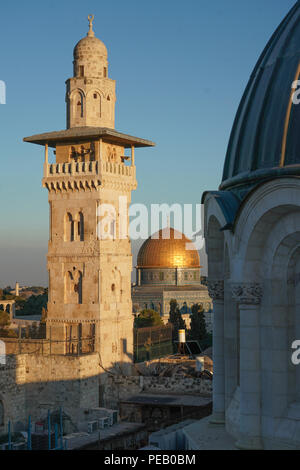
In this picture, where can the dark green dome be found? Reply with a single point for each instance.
(265, 138)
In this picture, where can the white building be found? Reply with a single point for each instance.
(252, 231)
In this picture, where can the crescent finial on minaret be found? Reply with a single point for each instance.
(91, 19)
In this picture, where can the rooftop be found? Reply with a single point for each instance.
(87, 133)
(169, 400)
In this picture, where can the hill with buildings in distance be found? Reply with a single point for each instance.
(30, 301)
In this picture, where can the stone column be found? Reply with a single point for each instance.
(139, 276)
(46, 161)
(216, 292)
(248, 296)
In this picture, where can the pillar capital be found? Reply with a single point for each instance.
(249, 293)
(216, 289)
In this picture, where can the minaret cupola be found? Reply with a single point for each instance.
(90, 93)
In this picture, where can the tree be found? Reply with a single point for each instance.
(148, 317)
(4, 319)
(34, 304)
(198, 325)
(176, 319)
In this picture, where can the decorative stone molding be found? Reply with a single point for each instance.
(247, 292)
(216, 289)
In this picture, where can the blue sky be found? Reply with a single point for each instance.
(181, 68)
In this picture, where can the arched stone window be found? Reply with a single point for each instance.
(69, 227)
(73, 287)
(80, 226)
(78, 104)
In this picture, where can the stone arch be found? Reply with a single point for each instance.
(263, 240)
(79, 226)
(267, 252)
(270, 200)
(69, 227)
(215, 249)
(73, 287)
(77, 99)
(215, 246)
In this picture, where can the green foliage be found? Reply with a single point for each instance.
(198, 330)
(34, 304)
(198, 324)
(176, 319)
(20, 302)
(6, 295)
(147, 317)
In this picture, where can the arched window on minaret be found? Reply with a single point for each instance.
(73, 287)
(78, 286)
(80, 226)
(69, 288)
(96, 104)
(78, 104)
(69, 228)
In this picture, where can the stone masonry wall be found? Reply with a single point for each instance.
(120, 388)
(67, 381)
(32, 384)
(12, 392)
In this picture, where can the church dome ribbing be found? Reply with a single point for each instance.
(265, 138)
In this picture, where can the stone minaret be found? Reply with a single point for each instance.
(89, 185)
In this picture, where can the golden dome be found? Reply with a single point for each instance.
(166, 250)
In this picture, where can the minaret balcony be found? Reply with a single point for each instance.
(73, 168)
(86, 175)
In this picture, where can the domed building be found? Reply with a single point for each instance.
(168, 267)
(252, 232)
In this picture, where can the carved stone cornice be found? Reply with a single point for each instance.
(249, 293)
(216, 289)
